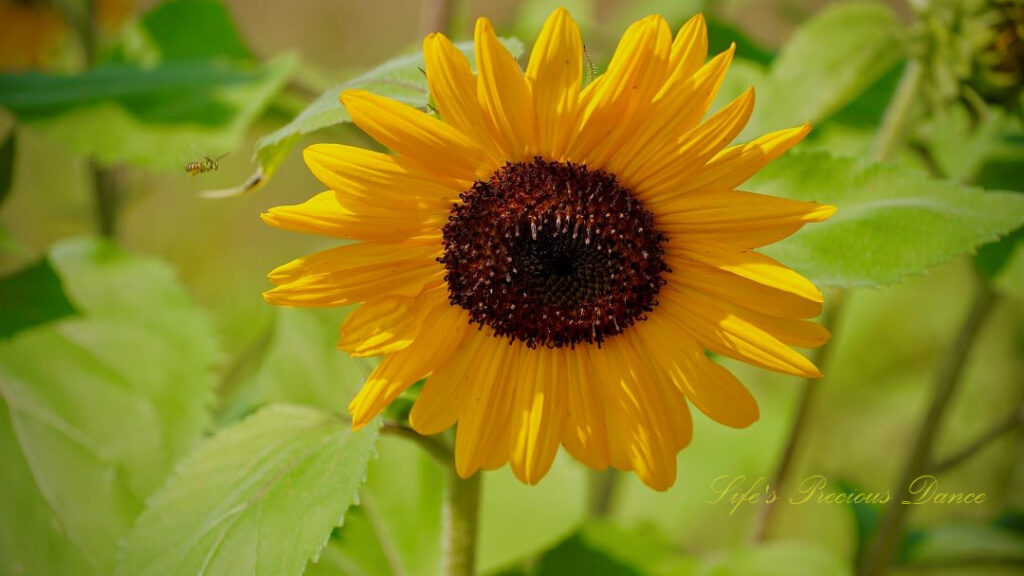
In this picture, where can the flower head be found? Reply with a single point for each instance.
(558, 259)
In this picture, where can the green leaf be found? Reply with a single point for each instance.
(397, 527)
(299, 364)
(401, 79)
(34, 95)
(827, 63)
(158, 130)
(721, 34)
(211, 33)
(101, 428)
(777, 559)
(7, 150)
(30, 297)
(891, 222)
(604, 549)
(31, 538)
(260, 497)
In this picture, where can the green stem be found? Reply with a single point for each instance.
(601, 495)
(435, 16)
(887, 540)
(797, 430)
(893, 131)
(1015, 420)
(107, 191)
(435, 447)
(459, 518)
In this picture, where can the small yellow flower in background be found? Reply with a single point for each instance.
(557, 259)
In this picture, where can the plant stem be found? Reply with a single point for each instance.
(459, 517)
(893, 130)
(435, 16)
(808, 392)
(107, 191)
(601, 495)
(436, 448)
(887, 539)
(1015, 419)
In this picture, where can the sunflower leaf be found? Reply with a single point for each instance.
(100, 429)
(892, 222)
(30, 297)
(830, 60)
(260, 497)
(401, 79)
(397, 527)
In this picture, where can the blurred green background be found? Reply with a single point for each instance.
(888, 343)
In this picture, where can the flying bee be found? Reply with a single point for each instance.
(207, 164)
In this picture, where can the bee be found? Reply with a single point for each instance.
(207, 164)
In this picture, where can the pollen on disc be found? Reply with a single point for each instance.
(552, 254)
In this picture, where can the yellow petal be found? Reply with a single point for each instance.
(748, 264)
(356, 273)
(504, 95)
(351, 217)
(711, 388)
(733, 166)
(676, 109)
(439, 338)
(381, 179)
(617, 104)
(418, 136)
(484, 415)
(555, 73)
(388, 324)
(689, 49)
(437, 407)
(650, 433)
(696, 147)
(723, 332)
(585, 434)
(453, 86)
(538, 414)
(737, 218)
(742, 291)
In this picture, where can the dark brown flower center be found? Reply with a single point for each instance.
(552, 254)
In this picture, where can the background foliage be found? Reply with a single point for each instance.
(156, 417)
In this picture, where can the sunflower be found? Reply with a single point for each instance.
(558, 260)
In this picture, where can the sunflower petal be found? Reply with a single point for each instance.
(388, 324)
(711, 388)
(555, 73)
(538, 414)
(750, 265)
(504, 95)
(738, 218)
(724, 332)
(439, 338)
(418, 136)
(356, 273)
(734, 166)
(585, 433)
(484, 415)
(453, 85)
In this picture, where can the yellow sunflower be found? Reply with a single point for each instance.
(557, 260)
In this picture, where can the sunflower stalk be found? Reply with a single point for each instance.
(807, 395)
(459, 521)
(887, 540)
